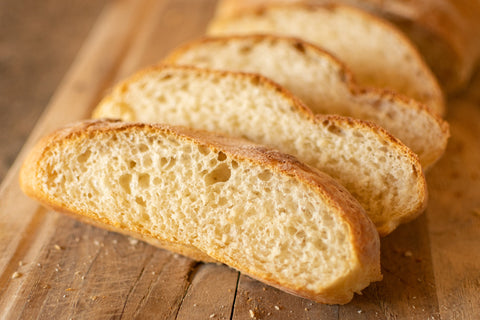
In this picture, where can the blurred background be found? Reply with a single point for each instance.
(38, 43)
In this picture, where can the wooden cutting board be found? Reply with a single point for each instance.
(53, 267)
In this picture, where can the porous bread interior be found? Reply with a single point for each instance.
(270, 223)
(378, 55)
(287, 62)
(322, 83)
(378, 174)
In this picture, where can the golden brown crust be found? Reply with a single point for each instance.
(260, 10)
(364, 238)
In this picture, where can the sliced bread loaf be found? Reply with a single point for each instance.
(377, 53)
(323, 83)
(254, 209)
(444, 31)
(382, 173)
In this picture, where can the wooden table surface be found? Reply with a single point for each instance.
(53, 267)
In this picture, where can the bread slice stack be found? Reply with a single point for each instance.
(377, 53)
(295, 199)
(323, 83)
(255, 209)
(442, 30)
(390, 185)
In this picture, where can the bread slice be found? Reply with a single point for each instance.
(323, 83)
(252, 208)
(444, 31)
(382, 173)
(377, 53)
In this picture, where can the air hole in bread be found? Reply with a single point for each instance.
(221, 156)
(140, 201)
(124, 182)
(292, 231)
(301, 235)
(132, 164)
(145, 217)
(82, 158)
(167, 163)
(319, 244)
(335, 130)
(203, 150)
(299, 46)
(147, 161)
(222, 201)
(144, 180)
(265, 175)
(220, 174)
(249, 213)
(157, 181)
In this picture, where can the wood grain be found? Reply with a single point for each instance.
(55, 267)
(454, 215)
(211, 293)
(38, 42)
